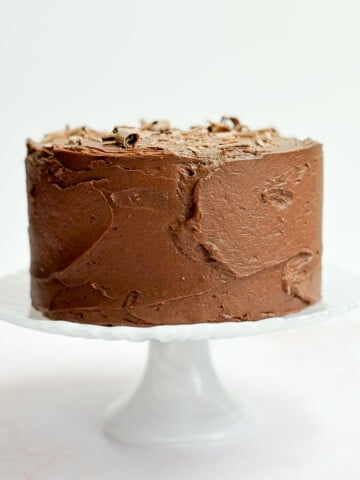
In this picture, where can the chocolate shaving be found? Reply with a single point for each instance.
(234, 144)
(75, 140)
(236, 124)
(218, 127)
(251, 150)
(268, 131)
(123, 137)
(227, 124)
(260, 142)
(194, 151)
(156, 126)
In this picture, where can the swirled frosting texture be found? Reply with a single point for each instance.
(181, 227)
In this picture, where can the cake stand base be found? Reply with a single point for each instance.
(179, 402)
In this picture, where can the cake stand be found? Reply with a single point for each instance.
(180, 401)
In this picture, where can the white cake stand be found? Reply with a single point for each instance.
(180, 401)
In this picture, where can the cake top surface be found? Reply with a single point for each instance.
(228, 138)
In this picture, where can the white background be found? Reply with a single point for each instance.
(291, 64)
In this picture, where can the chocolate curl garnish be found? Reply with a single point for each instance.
(227, 124)
(231, 145)
(123, 137)
(156, 126)
(75, 140)
(218, 127)
(236, 124)
(268, 134)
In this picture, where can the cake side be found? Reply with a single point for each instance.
(167, 233)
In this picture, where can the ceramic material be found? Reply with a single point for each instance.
(180, 401)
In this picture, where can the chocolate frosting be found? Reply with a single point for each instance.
(157, 225)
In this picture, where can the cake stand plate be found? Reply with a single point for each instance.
(180, 401)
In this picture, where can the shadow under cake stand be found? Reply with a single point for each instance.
(179, 401)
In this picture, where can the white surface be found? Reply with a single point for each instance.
(15, 307)
(305, 383)
(180, 403)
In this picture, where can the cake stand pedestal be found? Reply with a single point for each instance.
(180, 401)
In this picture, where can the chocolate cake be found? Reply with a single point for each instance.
(157, 225)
